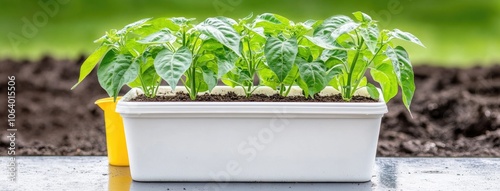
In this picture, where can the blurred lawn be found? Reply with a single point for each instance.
(456, 32)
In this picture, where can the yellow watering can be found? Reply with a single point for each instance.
(115, 134)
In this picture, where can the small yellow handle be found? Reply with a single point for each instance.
(115, 133)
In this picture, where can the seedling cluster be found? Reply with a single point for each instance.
(336, 52)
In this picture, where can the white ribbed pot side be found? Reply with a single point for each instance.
(250, 141)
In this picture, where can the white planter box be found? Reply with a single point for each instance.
(251, 141)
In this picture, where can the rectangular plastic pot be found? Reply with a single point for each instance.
(250, 141)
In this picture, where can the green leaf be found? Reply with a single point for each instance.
(337, 54)
(222, 32)
(210, 78)
(360, 16)
(172, 65)
(115, 71)
(343, 29)
(272, 23)
(292, 75)
(259, 31)
(323, 42)
(225, 63)
(404, 72)
(396, 33)
(304, 86)
(246, 19)
(331, 24)
(176, 23)
(199, 80)
(150, 78)
(305, 53)
(133, 26)
(334, 71)
(373, 91)
(268, 77)
(337, 81)
(160, 37)
(90, 63)
(227, 20)
(385, 76)
(370, 34)
(314, 75)
(280, 55)
(272, 18)
(232, 78)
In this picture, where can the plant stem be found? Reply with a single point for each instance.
(282, 87)
(158, 83)
(348, 93)
(193, 92)
(290, 86)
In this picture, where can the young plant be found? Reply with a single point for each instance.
(146, 51)
(202, 53)
(251, 59)
(337, 52)
(121, 57)
(352, 47)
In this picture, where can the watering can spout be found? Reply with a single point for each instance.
(115, 134)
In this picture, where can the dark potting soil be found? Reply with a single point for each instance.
(232, 97)
(456, 112)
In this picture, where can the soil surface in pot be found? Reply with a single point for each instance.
(456, 112)
(232, 97)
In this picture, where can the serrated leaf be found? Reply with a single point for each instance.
(115, 71)
(370, 34)
(396, 33)
(360, 16)
(172, 65)
(222, 32)
(90, 63)
(160, 37)
(404, 72)
(373, 91)
(280, 55)
(313, 75)
(385, 76)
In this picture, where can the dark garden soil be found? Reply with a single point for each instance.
(232, 97)
(456, 112)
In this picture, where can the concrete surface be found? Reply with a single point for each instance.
(94, 173)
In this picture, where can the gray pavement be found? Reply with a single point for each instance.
(94, 173)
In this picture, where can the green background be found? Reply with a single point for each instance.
(456, 32)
